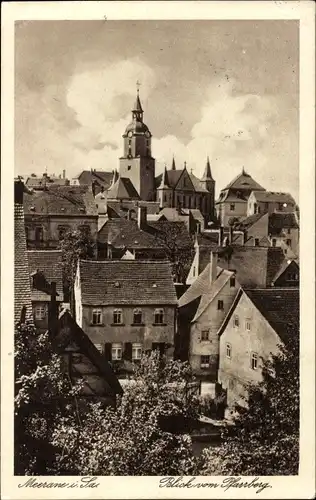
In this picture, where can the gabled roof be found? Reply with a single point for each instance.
(280, 307)
(273, 197)
(102, 177)
(249, 221)
(61, 200)
(126, 282)
(244, 181)
(132, 237)
(279, 221)
(68, 333)
(123, 189)
(49, 262)
(286, 264)
(173, 177)
(39, 182)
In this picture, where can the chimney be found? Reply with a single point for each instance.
(142, 217)
(221, 236)
(64, 174)
(244, 237)
(18, 191)
(213, 266)
(231, 235)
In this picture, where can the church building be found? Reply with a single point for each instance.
(174, 188)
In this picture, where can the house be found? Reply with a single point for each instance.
(44, 265)
(257, 323)
(84, 362)
(192, 217)
(126, 307)
(260, 202)
(177, 188)
(94, 180)
(288, 275)
(284, 232)
(39, 183)
(232, 203)
(202, 310)
(52, 212)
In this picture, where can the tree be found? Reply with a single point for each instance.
(264, 439)
(43, 394)
(76, 244)
(129, 440)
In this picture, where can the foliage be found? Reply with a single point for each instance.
(43, 394)
(233, 221)
(264, 439)
(129, 440)
(213, 407)
(76, 244)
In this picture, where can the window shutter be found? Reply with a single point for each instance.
(108, 351)
(128, 351)
(162, 348)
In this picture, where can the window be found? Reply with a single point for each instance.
(273, 242)
(205, 361)
(205, 335)
(158, 317)
(289, 231)
(129, 167)
(288, 242)
(228, 350)
(116, 351)
(232, 207)
(254, 360)
(40, 312)
(137, 317)
(137, 351)
(248, 325)
(236, 321)
(256, 242)
(96, 317)
(232, 281)
(27, 233)
(220, 305)
(39, 233)
(193, 272)
(117, 317)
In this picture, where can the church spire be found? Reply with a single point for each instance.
(207, 176)
(164, 180)
(114, 178)
(173, 166)
(137, 109)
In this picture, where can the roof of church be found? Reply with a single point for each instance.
(244, 181)
(207, 176)
(172, 178)
(119, 282)
(123, 189)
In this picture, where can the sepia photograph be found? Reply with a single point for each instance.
(157, 252)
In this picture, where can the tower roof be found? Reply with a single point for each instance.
(173, 166)
(137, 105)
(207, 176)
(244, 181)
(164, 180)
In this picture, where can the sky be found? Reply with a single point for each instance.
(224, 89)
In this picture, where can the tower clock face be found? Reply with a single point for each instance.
(147, 134)
(130, 133)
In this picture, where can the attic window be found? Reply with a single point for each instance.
(117, 284)
(32, 208)
(82, 209)
(62, 209)
(129, 167)
(154, 285)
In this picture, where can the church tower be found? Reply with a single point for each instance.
(209, 184)
(137, 164)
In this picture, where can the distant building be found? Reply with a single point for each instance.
(126, 307)
(260, 202)
(232, 203)
(94, 180)
(50, 213)
(288, 275)
(44, 265)
(192, 217)
(257, 323)
(45, 181)
(202, 310)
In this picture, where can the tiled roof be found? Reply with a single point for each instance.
(230, 195)
(244, 181)
(22, 290)
(199, 186)
(273, 197)
(104, 178)
(49, 262)
(284, 266)
(138, 282)
(68, 333)
(61, 200)
(279, 221)
(133, 237)
(163, 230)
(202, 285)
(40, 182)
(280, 307)
(174, 214)
(123, 189)
(248, 221)
(173, 179)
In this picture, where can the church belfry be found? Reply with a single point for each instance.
(137, 163)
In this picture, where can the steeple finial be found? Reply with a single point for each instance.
(173, 166)
(243, 171)
(207, 176)
(185, 165)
